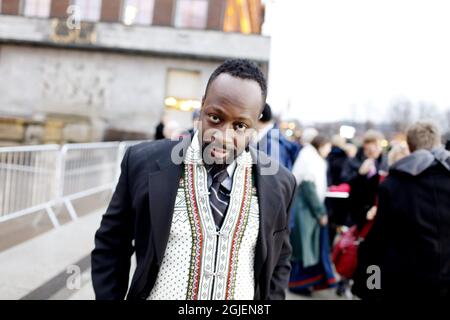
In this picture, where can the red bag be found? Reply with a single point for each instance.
(345, 252)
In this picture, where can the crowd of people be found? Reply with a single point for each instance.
(396, 216)
(372, 206)
(361, 206)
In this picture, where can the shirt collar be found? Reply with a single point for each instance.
(231, 167)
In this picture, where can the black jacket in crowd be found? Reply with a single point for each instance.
(336, 161)
(410, 238)
(363, 190)
(141, 211)
(338, 208)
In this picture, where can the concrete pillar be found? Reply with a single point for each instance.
(58, 8)
(11, 7)
(163, 12)
(111, 10)
(216, 11)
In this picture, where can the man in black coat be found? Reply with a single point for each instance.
(409, 243)
(139, 216)
(363, 173)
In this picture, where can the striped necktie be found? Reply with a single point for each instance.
(219, 196)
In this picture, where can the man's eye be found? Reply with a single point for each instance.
(241, 127)
(214, 118)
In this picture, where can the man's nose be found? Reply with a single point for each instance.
(225, 133)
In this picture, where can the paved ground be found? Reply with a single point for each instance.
(40, 267)
(329, 294)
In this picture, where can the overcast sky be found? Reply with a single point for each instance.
(349, 59)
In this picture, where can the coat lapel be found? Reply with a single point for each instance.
(163, 185)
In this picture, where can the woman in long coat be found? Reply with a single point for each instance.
(311, 266)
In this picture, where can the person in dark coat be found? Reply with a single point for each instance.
(336, 160)
(272, 142)
(337, 207)
(159, 131)
(410, 239)
(363, 173)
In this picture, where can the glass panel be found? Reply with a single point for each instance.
(89, 9)
(183, 90)
(138, 12)
(37, 8)
(191, 14)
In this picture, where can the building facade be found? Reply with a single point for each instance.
(93, 70)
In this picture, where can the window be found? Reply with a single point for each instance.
(36, 8)
(243, 16)
(183, 91)
(89, 10)
(138, 11)
(191, 14)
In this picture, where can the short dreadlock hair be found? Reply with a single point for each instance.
(243, 69)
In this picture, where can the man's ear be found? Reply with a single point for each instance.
(262, 110)
(203, 100)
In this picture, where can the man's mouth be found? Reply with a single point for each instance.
(218, 152)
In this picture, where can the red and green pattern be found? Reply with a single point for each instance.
(238, 234)
(197, 235)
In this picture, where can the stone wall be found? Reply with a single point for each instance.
(110, 90)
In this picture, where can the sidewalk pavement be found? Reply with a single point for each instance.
(38, 268)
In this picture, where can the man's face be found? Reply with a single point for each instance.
(229, 115)
(372, 150)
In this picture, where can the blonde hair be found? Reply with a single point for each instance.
(372, 136)
(338, 141)
(423, 135)
(350, 150)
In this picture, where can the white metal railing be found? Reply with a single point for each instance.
(86, 169)
(34, 178)
(28, 180)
